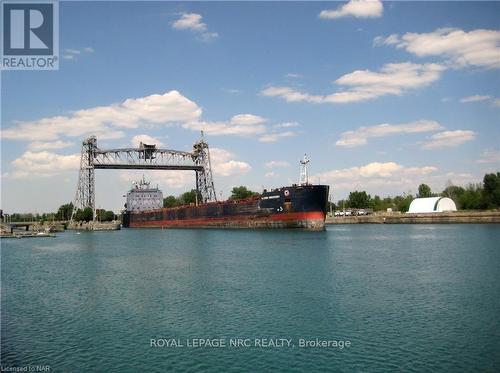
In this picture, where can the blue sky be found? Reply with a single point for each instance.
(380, 96)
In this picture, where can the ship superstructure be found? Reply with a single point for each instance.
(143, 197)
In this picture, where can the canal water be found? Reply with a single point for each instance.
(396, 297)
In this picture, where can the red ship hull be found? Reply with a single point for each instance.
(307, 220)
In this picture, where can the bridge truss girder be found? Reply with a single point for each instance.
(145, 157)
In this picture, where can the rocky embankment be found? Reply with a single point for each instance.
(95, 226)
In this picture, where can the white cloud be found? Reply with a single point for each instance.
(190, 21)
(72, 51)
(247, 119)
(475, 98)
(44, 163)
(373, 174)
(495, 102)
(393, 78)
(449, 139)
(224, 165)
(271, 175)
(231, 168)
(239, 125)
(72, 54)
(39, 145)
(145, 139)
(292, 95)
(193, 22)
(363, 85)
(207, 37)
(375, 170)
(106, 122)
(361, 135)
(355, 8)
(110, 122)
(461, 48)
(490, 156)
(273, 137)
(277, 164)
(286, 125)
(293, 75)
(389, 40)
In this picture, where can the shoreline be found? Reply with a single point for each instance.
(459, 217)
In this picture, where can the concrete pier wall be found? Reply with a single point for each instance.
(458, 217)
(95, 226)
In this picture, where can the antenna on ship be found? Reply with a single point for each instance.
(304, 178)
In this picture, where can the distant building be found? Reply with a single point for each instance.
(432, 204)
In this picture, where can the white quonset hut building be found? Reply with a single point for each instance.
(432, 204)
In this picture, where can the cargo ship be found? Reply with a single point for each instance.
(300, 206)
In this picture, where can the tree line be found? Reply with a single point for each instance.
(64, 214)
(474, 196)
(187, 198)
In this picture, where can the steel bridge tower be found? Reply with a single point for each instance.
(145, 157)
(204, 180)
(85, 189)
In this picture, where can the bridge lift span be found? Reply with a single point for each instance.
(145, 157)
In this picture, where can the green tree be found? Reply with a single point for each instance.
(64, 212)
(170, 201)
(84, 215)
(491, 190)
(472, 198)
(359, 200)
(103, 215)
(342, 204)
(242, 192)
(188, 197)
(402, 203)
(454, 192)
(26, 217)
(377, 204)
(109, 216)
(424, 191)
(388, 203)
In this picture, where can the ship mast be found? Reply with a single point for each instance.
(304, 178)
